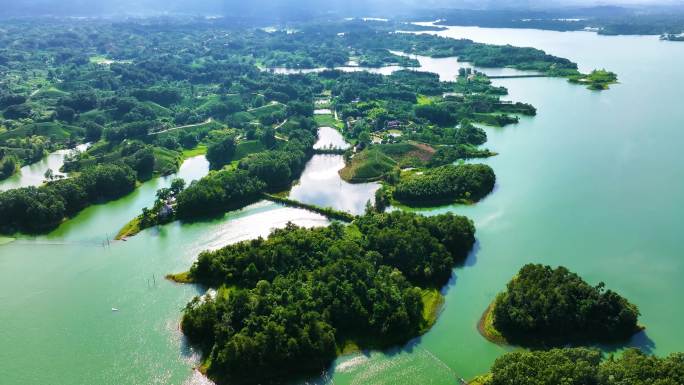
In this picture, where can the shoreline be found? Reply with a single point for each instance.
(181, 278)
(485, 326)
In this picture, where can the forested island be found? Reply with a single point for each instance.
(544, 307)
(36, 209)
(287, 305)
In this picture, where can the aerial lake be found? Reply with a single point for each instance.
(594, 182)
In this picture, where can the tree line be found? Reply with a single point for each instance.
(582, 366)
(470, 182)
(34, 209)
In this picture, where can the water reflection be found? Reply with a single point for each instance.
(34, 174)
(447, 68)
(329, 137)
(320, 184)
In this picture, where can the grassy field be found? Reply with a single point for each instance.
(180, 277)
(49, 93)
(327, 120)
(266, 110)
(407, 154)
(130, 229)
(199, 150)
(487, 329)
(480, 380)
(248, 147)
(166, 161)
(369, 165)
(432, 305)
(375, 161)
(423, 99)
(56, 131)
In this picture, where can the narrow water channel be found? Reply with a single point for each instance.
(321, 184)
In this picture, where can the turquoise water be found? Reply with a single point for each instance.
(593, 182)
(58, 291)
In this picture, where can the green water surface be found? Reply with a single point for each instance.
(593, 182)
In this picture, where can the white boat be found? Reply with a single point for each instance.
(115, 309)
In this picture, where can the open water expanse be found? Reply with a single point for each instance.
(594, 182)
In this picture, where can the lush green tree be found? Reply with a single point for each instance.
(546, 306)
(220, 152)
(553, 367)
(581, 366)
(35, 209)
(8, 166)
(218, 192)
(93, 131)
(634, 367)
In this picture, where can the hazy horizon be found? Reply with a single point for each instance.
(238, 8)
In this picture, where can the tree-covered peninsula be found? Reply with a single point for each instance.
(287, 305)
(36, 209)
(543, 306)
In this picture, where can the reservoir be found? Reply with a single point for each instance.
(594, 182)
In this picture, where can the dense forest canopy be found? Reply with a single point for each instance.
(546, 306)
(43, 208)
(290, 302)
(470, 182)
(146, 93)
(657, 19)
(580, 366)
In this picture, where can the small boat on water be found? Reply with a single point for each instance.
(115, 309)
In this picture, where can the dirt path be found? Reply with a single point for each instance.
(181, 127)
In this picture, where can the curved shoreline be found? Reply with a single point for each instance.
(485, 326)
